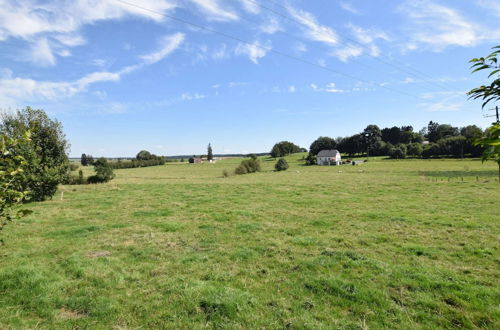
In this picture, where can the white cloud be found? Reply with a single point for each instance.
(250, 6)
(215, 12)
(443, 101)
(221, 53)
(349, 7)
(271, 26)
(493, 6)
(254, 51)
(41, 53)
(167, 45)
(344, 54)
(329, 88)
(292, 89)
(437, 27)
(299, 48)
(56, 24)
(192, 96)
(313, 29)
(236, 83)
(15, 90)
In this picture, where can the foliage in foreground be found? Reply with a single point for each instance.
(491, 144)
(487, 93)
(46, 153)
(12, 167)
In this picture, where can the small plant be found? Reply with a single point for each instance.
(310, 159)
(225, 173)
(281, 165)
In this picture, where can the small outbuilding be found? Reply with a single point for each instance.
(329, 157)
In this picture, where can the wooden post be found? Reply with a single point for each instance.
(62, 195)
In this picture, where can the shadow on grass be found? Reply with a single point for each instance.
(458, 174)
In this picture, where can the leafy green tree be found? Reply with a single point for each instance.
(103, 171)
(487, 93)
(83, 160)
(144, 155)
(391, 135)
(284, 148)
(415, 149)
(322, 143)
(46, 153)
(398, 152)
(12, 172)
(371, 135)
(281, 165)
(210, 155)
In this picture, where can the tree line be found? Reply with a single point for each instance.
(434, 140)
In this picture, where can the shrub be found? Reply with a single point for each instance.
(191, 160)
(248, 166)
(46, 152)
(398, 152)
(281, 165)
(225, 173)
(311, 159)
(240, 170)
(103, 171)
(73, 167)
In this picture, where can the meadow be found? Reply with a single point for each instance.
(409, 244)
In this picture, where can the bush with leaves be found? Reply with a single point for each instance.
(311, 159)
(12, 172)
(248, 166)
(281, 165)
(398, 152)
(46, 153)
(103, 172)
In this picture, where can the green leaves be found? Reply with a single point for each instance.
(488, 93)
(11, 173)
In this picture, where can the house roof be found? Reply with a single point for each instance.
(328, 153)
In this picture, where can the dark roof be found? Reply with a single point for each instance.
(328, 153)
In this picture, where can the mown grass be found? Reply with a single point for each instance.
(381, 245)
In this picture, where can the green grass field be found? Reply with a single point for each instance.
(407, 244)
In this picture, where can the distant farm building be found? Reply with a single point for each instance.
(329, 157)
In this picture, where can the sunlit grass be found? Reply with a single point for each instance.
(388, 244)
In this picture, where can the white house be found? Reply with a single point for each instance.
(329, 157)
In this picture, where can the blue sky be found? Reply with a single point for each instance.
(122, 76)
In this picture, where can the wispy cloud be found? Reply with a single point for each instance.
(15, 90)
(56, 25)
(192, 96)
(366, 39)
(214, 10)
(313, 29)
(345, 53)
(167, 45)
(271, 26)
(329, 88)
(350, 8)
(436, 27)
(250, 6)
(254, 51)
(493, 6)
(443, 101)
